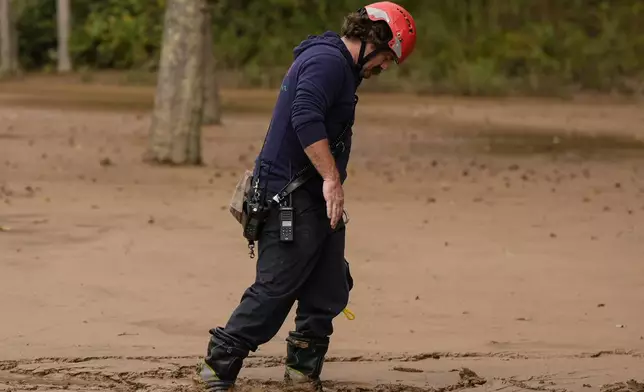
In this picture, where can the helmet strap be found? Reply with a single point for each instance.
(363, 60)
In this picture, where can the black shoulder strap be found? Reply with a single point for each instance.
(308, 171)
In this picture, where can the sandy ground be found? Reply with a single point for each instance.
(502, 236)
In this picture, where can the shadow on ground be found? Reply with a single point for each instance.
(522, 143)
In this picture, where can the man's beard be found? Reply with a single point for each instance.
(367, 73)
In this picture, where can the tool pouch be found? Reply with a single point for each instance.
(248, 208)
(240, 195)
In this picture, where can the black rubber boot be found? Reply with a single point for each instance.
(211, 380)
(222, 363)
(304, 360)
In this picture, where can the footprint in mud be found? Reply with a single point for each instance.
(406, 369)
(628, 386)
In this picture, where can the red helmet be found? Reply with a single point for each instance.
(400, 22)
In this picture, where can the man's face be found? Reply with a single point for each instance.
(378, 63)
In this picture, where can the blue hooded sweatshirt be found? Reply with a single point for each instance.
(316, 101)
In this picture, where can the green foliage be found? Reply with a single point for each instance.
(464, 46)
(36, 26)
(118, 34)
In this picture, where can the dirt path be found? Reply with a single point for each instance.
(348, 374)
(500, 236)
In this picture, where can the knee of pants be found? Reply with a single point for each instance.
(338, 302)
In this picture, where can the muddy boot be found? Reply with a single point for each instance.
(211, 381)
(304, 360)
(222, 364)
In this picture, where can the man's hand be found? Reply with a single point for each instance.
(321, 157)
(334, 196)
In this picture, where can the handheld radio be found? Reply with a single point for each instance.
(287, 217)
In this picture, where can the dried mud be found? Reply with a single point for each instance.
(180, 374)
(501, 237)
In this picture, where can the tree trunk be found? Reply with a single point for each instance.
(212, 102)
(15, 61)
(175, 129)
(62, 14)
(8, 54)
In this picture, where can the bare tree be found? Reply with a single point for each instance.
(8, 53)
(62, 15)
(212, 101)
(175, 129)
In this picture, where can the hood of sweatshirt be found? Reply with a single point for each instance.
(329, 38)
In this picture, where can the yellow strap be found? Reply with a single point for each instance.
(349, 314)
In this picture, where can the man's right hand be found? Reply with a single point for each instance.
(334, 196)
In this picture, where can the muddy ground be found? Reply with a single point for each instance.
(501, 236)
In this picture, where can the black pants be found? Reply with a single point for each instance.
(311, 270)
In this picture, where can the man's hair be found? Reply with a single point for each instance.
(358, 25)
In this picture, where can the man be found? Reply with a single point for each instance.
(313, 116)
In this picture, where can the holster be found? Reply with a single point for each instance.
(248, 208)
(254, 217)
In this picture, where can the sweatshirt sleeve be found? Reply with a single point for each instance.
(319, 82)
